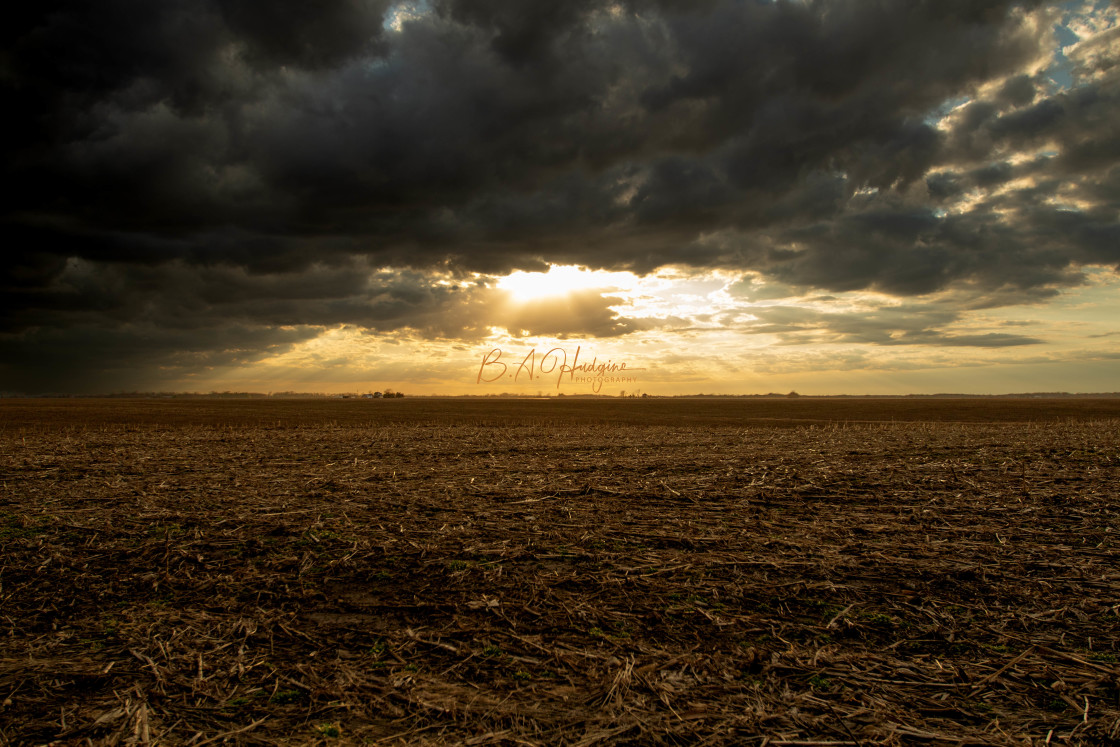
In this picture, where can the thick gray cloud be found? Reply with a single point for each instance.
(891, 326)
(204, 166)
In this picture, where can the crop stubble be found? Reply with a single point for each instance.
(558, 573)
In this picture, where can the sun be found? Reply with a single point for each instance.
(562, 280)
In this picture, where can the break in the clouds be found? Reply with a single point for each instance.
(204, 185)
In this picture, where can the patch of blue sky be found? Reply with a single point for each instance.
(1076, 13)
(944, 109)
(1060, 72)
(401, 13)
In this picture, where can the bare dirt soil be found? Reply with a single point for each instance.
(804, 572)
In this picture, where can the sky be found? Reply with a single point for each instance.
(575, 196)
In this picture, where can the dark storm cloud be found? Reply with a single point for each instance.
(121, 357)
(177, 295)
(306, 34)
(909, 250)
(194, 164)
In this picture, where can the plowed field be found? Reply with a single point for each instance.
(560, 572)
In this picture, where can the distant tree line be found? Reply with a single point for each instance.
(387, 394)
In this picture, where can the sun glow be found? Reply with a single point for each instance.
(562, 280)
